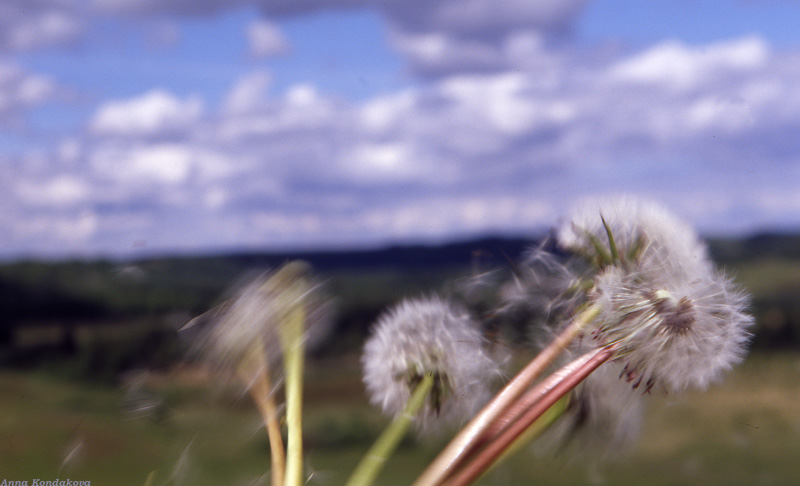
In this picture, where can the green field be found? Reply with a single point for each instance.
(202, 431)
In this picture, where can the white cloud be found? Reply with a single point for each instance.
(459, 154)
(27, 25)
(69, 151)
(156, 113)
(479, 17)
(250, 114)
(249, 93)
(437, 36)
(166, 163)
(505, 103)
(375, 163)
(265, 39)
(47, 29)
(57, 192)
(150, 8)
(714, 113)
(57, 232)
(21, 91)
(384, 114)
(162, 34)
(675, 65)
(439, 53)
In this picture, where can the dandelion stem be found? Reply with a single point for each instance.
(294, 354)
(466, 440)
(539, 426)
(571, 375)
(372, 463)
(535, 430)
(533, 396)
(254, 371)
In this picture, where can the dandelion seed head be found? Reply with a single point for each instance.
(681, 333)
(643, 231)
(676, 320)
(254, 314)
(428, 336)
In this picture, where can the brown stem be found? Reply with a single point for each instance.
(261, 393)
(534, 395)
(466, 440)
(488, 455)
(254, 372)
(526, 401)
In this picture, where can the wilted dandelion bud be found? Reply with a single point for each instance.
(679, 333)
(428, 337)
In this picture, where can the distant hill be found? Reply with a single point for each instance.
(399, 257)
(89, 288)
(34, 290)
(762, 245)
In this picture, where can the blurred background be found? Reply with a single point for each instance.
(154, 152)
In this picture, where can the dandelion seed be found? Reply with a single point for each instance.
(181, 471)
(428, 337)
(72, 454)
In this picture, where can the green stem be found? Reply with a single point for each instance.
(372, 463)
(294, 353)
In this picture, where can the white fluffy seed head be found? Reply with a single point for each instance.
(679, 333)
(678, 322)
(642, 230)
(254, 314)
(428, 336)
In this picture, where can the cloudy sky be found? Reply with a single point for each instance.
(139, 126)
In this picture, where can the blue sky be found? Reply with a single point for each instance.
(146, 126)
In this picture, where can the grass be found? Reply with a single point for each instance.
(768, 276)
(743, 432)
